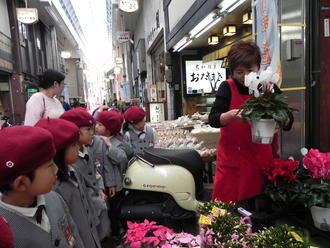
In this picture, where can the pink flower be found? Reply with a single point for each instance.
(234, 237)
(249, 231)
(317, 163)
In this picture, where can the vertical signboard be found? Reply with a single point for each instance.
(268, 34)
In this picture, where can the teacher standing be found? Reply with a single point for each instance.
(44, 104)
(239, 166)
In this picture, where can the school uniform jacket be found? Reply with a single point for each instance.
(63, 231)
(87, 169)
(74, 193)
(139, 144)
(99, 150)
(117, 154)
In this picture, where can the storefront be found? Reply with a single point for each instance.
(204, 34)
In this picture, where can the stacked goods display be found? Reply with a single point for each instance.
(188, 133)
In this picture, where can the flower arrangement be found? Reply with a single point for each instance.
(317, 188)
(225, 229)
(150, 235)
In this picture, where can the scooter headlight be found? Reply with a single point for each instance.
(127, 181)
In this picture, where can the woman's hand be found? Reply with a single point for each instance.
(234, 114)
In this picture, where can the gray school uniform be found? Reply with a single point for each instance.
(74, 193)
(87, 169)
(63, 231)
(99, 150)
(138, 144)
(118, 158)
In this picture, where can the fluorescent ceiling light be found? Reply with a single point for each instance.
(230, 5)
(232, 8)
(200, 26)
(209, 26)
(185, 45)
(179, 44)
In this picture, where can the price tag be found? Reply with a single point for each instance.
(204, 220)
(296, 237)
(215, 211)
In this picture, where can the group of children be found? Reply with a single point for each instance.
(61, 184)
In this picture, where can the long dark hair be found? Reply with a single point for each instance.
(59, 159)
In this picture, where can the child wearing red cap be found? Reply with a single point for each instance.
(85, 166)
(108, 124)
(36, 216)
(70, 184)
(139, 135)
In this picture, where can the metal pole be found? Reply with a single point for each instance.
(26, 4)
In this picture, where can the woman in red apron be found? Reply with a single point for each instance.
(240, 162)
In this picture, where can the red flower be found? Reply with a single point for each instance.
(279, 168)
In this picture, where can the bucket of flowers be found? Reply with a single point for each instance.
(265, 108)
(317, 188)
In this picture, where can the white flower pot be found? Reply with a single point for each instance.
(321, 218)
(263, 131)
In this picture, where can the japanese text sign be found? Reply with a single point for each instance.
(27, 15)
(204, 77)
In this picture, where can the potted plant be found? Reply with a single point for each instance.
(317, 188)
(265, 108)
(284, 181)
(282, 236)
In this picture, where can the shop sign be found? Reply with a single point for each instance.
(153, 92)
(27, 15)
(268, 34)
(122, 37)
(153, 33)
(157, 113)
(128, 5)
(125, 92)
(202, 77)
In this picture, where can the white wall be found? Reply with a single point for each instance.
(4, 19)
(176, 10)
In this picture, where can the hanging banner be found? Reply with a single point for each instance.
(27, 15)
(268, 35)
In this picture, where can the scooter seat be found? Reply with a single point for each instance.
(187, 158)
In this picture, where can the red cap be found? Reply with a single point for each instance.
(112, 120)
(6, 235)
(65, 133)
(134, 114)
(22, 150)
(78, 116)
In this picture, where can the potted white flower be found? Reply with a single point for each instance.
(265, 108)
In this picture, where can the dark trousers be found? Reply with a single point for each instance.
(114, 212)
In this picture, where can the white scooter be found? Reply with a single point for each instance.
(165, 186)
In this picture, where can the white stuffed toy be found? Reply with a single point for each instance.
(259, 83)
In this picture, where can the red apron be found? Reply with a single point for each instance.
(239, 161)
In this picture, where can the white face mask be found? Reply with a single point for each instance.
(142, 135)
